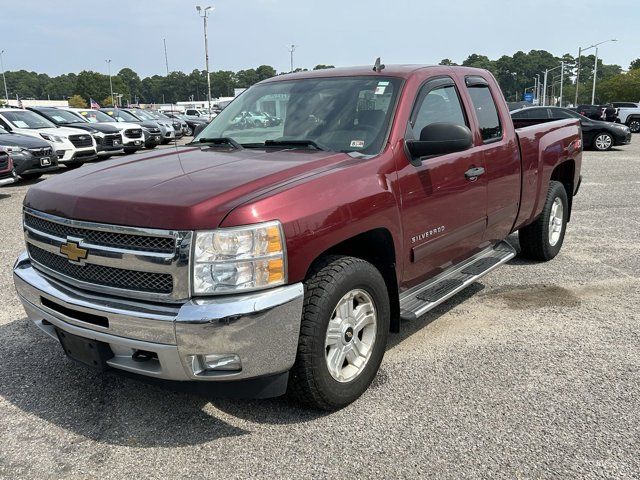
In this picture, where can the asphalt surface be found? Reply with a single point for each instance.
(533, 372)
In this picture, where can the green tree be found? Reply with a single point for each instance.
(323, 67)
(77, 101)
(447, 62)
(635, 64)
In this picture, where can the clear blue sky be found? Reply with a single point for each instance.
(63, 36)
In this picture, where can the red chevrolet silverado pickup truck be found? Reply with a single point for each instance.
(277, 256)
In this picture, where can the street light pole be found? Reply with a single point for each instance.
(292, 48)
(6, 92)
(110, 83)
(593, 94)
(544, 89)
(204, 13)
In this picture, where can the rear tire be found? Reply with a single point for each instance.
(542, 240)
(334, 366)
(602, 142)
(634, 125)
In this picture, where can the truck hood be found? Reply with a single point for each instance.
(182, 188)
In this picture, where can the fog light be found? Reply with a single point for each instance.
(202, 364)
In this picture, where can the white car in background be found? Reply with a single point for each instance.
(132, 135)
(71, 145)
(629, 114)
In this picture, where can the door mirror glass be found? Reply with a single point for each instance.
(199, 128)
(440, 139)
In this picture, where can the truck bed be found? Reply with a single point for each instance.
(544, 144)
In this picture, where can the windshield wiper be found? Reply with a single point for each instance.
(293, 143)
(219, 141)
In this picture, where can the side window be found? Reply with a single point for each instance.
(532, 114)
(560, 114)
(440, 105)
(486, 112)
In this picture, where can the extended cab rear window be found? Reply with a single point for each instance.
(485, 108)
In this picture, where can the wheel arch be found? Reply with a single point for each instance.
(565, 174)
(376, 247)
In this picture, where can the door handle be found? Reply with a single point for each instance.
(473, 173)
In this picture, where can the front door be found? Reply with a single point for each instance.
(443, 210)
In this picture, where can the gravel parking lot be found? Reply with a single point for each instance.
(533, 372)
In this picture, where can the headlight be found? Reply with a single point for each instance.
(15, 150)
(239, 259)
(52, 138)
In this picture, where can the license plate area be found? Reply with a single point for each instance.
(45, 161)
(88, 352)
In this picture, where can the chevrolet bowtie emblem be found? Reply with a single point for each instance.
(73, 251)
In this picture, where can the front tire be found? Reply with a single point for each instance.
(542, 240)
(634, 125)
(603, 141)
(343, 335)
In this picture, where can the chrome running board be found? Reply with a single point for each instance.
(418, 300)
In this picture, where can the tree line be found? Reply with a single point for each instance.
(514, 73)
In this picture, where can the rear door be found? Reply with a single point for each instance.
(501, 157)
(444, 212)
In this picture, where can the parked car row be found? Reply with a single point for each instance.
(627, 113)
(40, 139)
(596, 134)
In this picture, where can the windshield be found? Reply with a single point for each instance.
(22, 119)
(64, 117)
(144, 115)
(95, 116)
(342, 114)
(122, 116)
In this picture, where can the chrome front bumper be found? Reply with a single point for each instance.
(261, 328)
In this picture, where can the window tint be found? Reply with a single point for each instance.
(559, 113)
(440, 105)
(487, 113)
(532, 114)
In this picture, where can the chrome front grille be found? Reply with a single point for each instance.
(101, 275)
(124, 261)
(101, 237)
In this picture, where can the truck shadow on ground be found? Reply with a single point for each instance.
(110, 408)
(107, 408)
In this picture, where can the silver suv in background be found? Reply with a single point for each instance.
(132, 135)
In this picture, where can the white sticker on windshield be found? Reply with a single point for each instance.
(381, 88)
(20, 124)
(357, 144)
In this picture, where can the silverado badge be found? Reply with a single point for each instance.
(73, 251)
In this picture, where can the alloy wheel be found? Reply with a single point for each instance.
(603, 141)
(556, 221)
(351, 334)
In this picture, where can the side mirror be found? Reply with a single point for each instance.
(199, 128)
(439, 139)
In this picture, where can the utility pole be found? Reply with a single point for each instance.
(561, 80)
(113, 102)
(6, 92)
(575, 103)
(166, 60)
(204, 13)
(292, 48)
(544, 89)
(595, 77)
